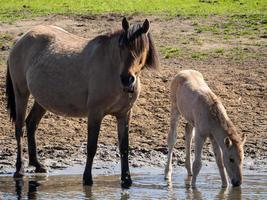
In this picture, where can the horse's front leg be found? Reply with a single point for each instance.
(123, 132)
(94, 122)
(199, 142)
(172, 137)
(219, 161)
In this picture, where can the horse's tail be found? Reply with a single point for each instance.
(10, 96)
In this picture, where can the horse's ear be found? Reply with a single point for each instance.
(243, 138)
(227, 142)
(145, 26)
(125, 24)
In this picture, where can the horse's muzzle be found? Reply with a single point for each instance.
(129, 89)
(236, 183)
(128, 83)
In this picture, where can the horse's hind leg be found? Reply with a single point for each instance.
(219, 161)
(188, 142)
(32, 121)
(172, 137)
(21, 106)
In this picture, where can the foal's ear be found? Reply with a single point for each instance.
(145, 26)
(227, 142)
(125, 24)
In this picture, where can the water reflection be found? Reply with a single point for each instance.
(32, 188)
(197, 193)
(223, 194)
(125, 195)
(146, 186)
(88, 192)
(230, 193)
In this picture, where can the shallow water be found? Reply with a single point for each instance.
(148, 183)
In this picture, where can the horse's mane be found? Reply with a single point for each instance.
(219, 115)
(136, 42)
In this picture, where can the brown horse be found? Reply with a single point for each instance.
(71, 76)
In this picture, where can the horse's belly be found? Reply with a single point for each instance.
(62, 106)
(68, 109)
(59, 97)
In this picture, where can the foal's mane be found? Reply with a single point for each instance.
(219, 116)
(136, 41)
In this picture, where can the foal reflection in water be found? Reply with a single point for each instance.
(71, 76)
(193, 99)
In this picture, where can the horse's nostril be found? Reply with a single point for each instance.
(131, 79)
(127, 80)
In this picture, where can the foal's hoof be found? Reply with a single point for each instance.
(126, 184)
(87, 182)
(18, 174)
(167, 177)
(40, 169)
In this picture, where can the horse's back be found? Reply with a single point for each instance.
(191, 94)
(189, 83)
(47, 63)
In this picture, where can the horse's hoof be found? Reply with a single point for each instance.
(126, 184)
(40, 169)
(167, 178)
(87, 182)
(18, 174)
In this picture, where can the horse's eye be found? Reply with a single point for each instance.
(231, 160)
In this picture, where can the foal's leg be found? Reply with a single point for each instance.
(172, 137)
(21, 106)
(123, 133)
(199, 142)
(94, 122)
(32, 121)
(219, 160)
(188, 142)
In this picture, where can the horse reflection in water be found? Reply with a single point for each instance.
(44, 188)
(32, 188)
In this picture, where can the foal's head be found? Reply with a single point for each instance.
(233, 158)
(136, 52)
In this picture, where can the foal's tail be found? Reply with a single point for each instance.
(10, 96)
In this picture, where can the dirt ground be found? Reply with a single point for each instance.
(240, 83)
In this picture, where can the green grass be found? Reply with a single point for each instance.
(235, 25)
(235, 54)
(11, 10)
(170, 52)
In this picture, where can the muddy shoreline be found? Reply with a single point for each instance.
(108, 158)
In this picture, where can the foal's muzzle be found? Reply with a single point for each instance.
(236, 183)
(128, 82)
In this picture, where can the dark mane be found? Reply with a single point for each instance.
(137, 42)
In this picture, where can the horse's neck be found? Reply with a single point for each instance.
(111, 49)
(221, 126)
(220, 134)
